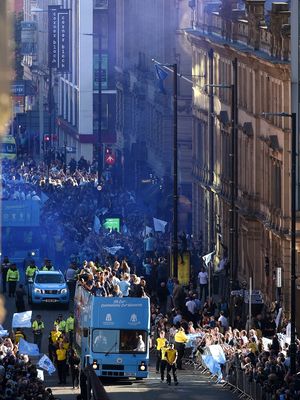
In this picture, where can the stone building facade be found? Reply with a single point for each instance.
(221, 33)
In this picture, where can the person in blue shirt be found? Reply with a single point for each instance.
(149, 245)
(124, 285)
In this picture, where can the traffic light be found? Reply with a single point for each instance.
(46, 138)
(109, 157)
(108, 150)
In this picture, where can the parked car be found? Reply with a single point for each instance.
(49, 287)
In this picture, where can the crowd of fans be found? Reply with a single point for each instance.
(18, 375)
(131, 263)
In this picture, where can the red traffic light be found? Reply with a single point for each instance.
(110, 159)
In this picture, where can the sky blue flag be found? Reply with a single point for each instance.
(31, 349)
(161, 75)
(212, 365)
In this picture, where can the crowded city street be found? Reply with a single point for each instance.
(149, 200)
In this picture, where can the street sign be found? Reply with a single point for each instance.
(71, 149)
(28, 38)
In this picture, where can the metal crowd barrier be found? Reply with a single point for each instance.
(234, 379)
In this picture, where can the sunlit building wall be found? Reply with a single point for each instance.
(263, 53)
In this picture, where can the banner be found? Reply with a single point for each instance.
(104, 71)
(46, 364)
(159, 225)
(31, 349)
(113, 250)
(63, 49)
(59, 38)
(28, 38)
(22, 320)
(52, 35)
(184, 268)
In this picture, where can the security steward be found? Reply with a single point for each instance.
(171, 356)
(12, 278)
(163, 361)
(160, 342)
(19, 334)
(180, 340)
(37, 329)
(61, 363)
(54, 336)
(30, 271)
(70, 322)
(61, 323)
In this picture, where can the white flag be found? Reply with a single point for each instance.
(278, 317)
(40, 374)
(46, 364)
(208, 258)
(159, 225)
(97, 224)
(113, 250)
(22, 320)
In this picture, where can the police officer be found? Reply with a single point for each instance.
(47, 266)
(31, 270)
(12, 278)
(61, 323)
(70, 328)
(4, 268)
(37, 329)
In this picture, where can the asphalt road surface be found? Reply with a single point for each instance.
(192, 385)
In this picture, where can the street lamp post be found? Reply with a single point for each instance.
(175, 173)
(99, 136)
(233, 220)
(174, 69)
(293, 346)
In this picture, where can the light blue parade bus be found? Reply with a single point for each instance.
(112, 334)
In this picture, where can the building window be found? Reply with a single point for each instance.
(101, 4)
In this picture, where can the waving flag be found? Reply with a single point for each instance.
(46, 364)
(208, 258)
(31, 349)
(22, 320)
(161, 75)
(212, 365)
(217, 353)
(97, 224)
(159, 225)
